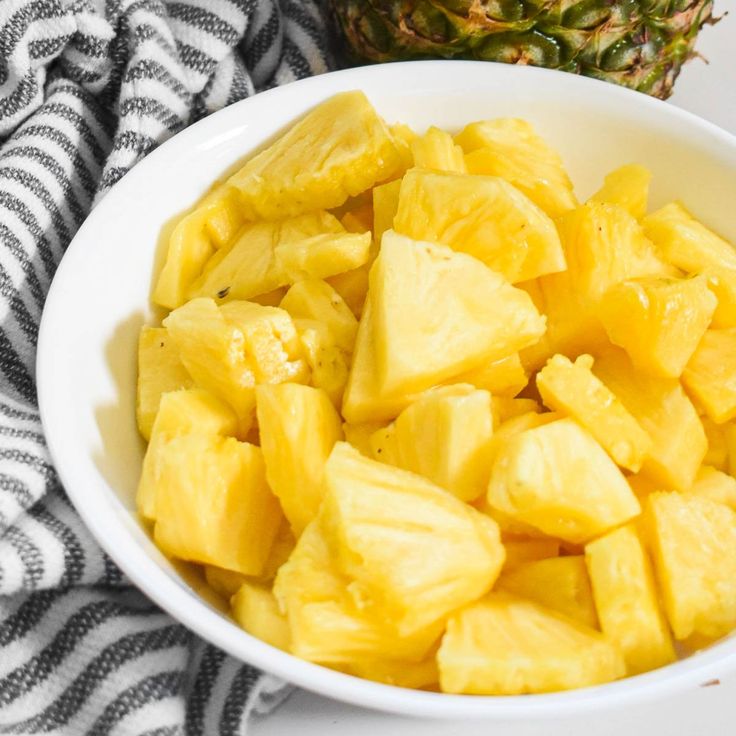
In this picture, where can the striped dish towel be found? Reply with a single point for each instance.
(87, 89)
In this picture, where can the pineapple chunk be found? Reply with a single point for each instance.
(415, 675)
(503, 645)
(693, 541)
(317, 300)
(325, 623)
(413, 550)
(560, 584)
(159, 370)
(558, 479)
(505, 408)
(444, 436)
(717, 453)
(180, 412)
(520, 551)
(358, 219)
(483, 216)
(222, 214)
(658, 322)
(322, 256)
(476, 316)
(626, 600)
(255, 609)
(338, 150)
(628, 187)
(572, 389)
(403, 137)
(510, 148)
(359, 436)
(710, 376)
(504, 377)
(327, 362)
(722, 282)
(298, 428)
(715, 485)
(385, 206)
(665, 413)
(436, 150)
(225, 583)
(352, 286)
(213, 505)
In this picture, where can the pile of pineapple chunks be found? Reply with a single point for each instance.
(426, 419)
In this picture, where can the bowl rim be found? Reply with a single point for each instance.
(115, 538)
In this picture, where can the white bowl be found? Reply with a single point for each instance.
(100, 298)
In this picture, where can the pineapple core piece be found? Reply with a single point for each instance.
(255, 609)
(298, 428)
(572, 389)
(658, 322)
(558, 479)
(338, 150)
(665, 413)
(693, 542)
(503, 645)
(512, 149)
(627, 600)
(213, 505)
(628, 187)
(475, 315)
(710, 376)
(483, 216)
(436, 150)
(444, 436)
(159, 370)
(413, 550)
(715, 486)
(560, 583)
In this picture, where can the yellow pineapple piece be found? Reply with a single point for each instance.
(385, 206)
(476, 315)
(722, 283)
(225, 583)
(710, 376)
(483, 216)
(315, 299)
(558, 479)
(642, 485)
(628, 187)
(505, 408)
(159, 370)
(572, 389)
(416, 675)
(415, 573)
(510, 148)
(717, 453)
(338, 150)
(443, 436)
(322, 256)
(520, 551)
(436, 150)
(180, 412)
(715, 486)
(693, 541)
(503, 645)
(627, 601)
(560, 584)
(503, 378)
(325, 623)
(729, 434)
(658, 322)
(403, 137)
(213, 505)
(222, 214)
(352, 286)
(358, 219)
(255, 609)
(298, 428)
(328, 364)
(359, 435)
(659, 405)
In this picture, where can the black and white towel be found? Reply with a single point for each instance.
(87, 89)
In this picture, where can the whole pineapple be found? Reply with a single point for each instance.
(641, 44)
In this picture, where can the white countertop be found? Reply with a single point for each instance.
(708, 90)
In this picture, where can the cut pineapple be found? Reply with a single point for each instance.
(358, 218)
(475, 317)
(298, 428)
(561, 584)
(159, 370)
(222, 214)
(385, 206)
(694, 547)
(322, 256)
(403, 137)
(510, 148)
(359, 436)
(558, 479)
(436, 150)
(505, 408)
(659, 405)
(628, 187)
(255, 609)
(520, 550)
(715, 486)
(710, 376)
(503, 378)
(717, 453)
(213, 505)
(444, 436)
(225, 583)
(352, 286)
(504, 645)
(413, 550)
(328, 364)
(483, 216)
(338, 150)
(572, 389)
(416, 675)
(626, 600)
(658, 322)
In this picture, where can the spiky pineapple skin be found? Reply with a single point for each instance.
(640, 44)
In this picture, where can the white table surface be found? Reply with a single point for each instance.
(708, 90)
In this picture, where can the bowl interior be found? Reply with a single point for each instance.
(100, 299)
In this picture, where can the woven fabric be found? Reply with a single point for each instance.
(87, 89)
